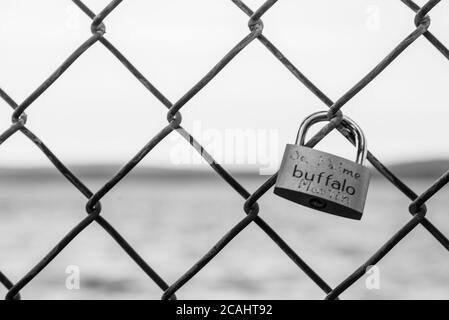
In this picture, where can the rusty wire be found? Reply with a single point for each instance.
(251, 209)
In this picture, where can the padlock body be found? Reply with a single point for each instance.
(323, 181)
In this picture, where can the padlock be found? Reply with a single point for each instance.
(324, 181)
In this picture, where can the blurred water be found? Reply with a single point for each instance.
(172, 223)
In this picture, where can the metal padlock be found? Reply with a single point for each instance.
(324, 181)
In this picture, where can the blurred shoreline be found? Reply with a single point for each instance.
(413, 169)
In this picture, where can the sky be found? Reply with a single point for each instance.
(98, 113)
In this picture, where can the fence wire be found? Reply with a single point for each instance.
(251, 208)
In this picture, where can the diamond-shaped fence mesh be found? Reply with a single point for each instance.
(251, 209)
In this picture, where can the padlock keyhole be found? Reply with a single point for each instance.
(317, 203)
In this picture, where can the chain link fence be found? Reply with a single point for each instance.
(251, 209)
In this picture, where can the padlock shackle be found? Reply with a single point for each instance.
(348, 124)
